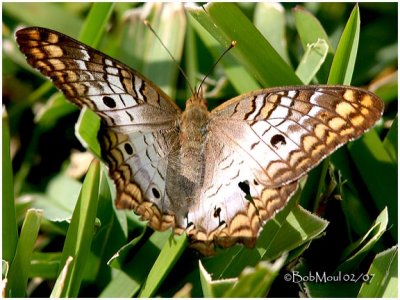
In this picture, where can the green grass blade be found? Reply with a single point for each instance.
(342, 67)
(252, 282)
(356, 252)
(213, 288)
(190, 55)
(391, 141)
(346, 52)
(9, 220)
(117, 287)
(309, 28)
(95, 23)
(19, 268)
(86, 131)
(128, 282)
(117, 261)
(45, 264)
(158, 65)
(110, 235)
(169, 255)
(386, 88)
(54, 109)
(384, 273)
(368, 153)
(241, 80)
(80, 233)
(312, 60)
(270, 20)
(256, 282)
(252, 49)
(310, 31)
(60, 198)
(62, 278)
(356, 212)
(67, 21)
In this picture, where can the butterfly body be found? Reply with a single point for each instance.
(193, 134)
(217, 175)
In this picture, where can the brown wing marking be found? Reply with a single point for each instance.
(129, 195)
(245, 227)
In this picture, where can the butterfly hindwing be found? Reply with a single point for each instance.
(138, 164)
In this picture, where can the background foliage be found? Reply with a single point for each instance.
(61, 234)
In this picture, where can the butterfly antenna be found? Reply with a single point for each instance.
(233, 44)
(147, 23)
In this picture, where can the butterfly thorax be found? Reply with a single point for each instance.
(193, 133)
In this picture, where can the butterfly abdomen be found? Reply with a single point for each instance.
(193, 134)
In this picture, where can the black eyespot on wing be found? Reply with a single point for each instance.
(156, 193)
(128, 148)
(278, 140)
(189, 224)
(109, 102)
(217, 212)
(244, 186)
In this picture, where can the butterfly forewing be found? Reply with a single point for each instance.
(283, 132)
(220, 181)
(123, 98)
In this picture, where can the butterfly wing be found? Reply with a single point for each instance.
(138, 163)
(261, 143)
(284, 132)
(122, 97)
(139, 131)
